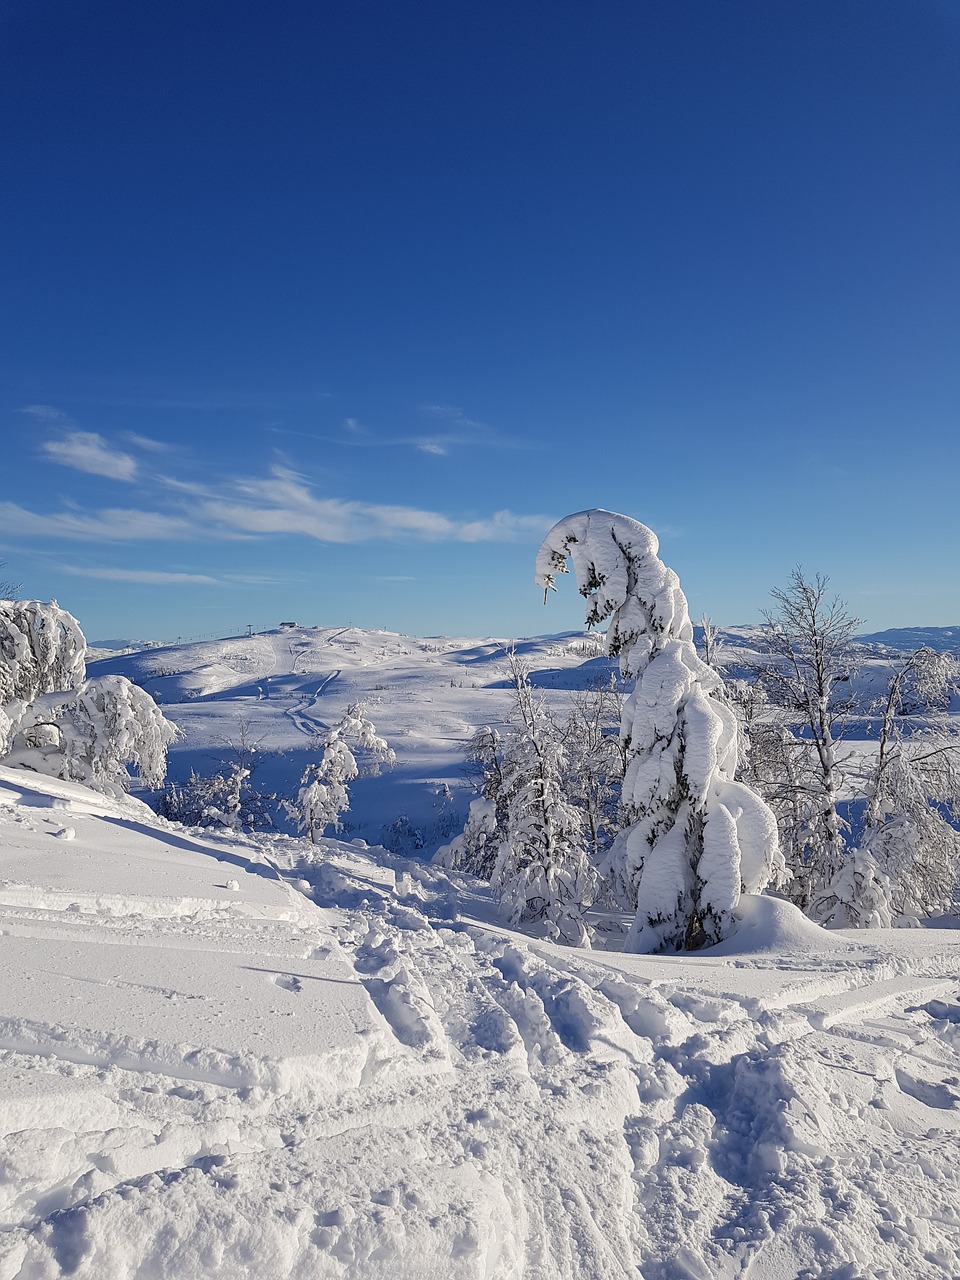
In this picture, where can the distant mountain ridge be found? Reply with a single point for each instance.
(943, 639)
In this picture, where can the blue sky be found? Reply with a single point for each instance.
(326, 311)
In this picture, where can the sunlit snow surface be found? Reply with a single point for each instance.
(227, 1057)
(345, 1068)
(283, 689)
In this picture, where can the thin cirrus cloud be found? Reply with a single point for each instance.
(453, 430)
(149, 576)
(116, 524)
(281, 503)
(87, 451)
(46, 413)
(147, 443)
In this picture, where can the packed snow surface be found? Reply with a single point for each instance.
(250, 1057)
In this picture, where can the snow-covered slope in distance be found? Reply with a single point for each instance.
(427, 696)
(943, 639)
(281, 689)
(252, 1058)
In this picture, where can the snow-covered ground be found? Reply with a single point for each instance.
(245, 1058)
(281, 689)
(427, 696)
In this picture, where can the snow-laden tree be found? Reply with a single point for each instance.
(594, 762)
(696, 838)
(858, 896)
(91, 733)
(476, 848)
(913, 793)
(810, 635)
(782, 768)
(592, 771)
(55, 721)
(712, 642)
(42, 650)
(543, 870)
(324, 787)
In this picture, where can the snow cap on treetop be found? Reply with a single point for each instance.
(619, 573)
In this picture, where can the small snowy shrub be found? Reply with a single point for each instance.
(696, 838)
(225, 800)
(913, 795)
(323, 793)
(476, 848)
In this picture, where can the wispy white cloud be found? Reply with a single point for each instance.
(281, 503)
(150, 576)
(457, 431)
(451, 430)
(46, 413)
(264, 579)
(87, 451)
(110, 525)
(147, 443)
(284, 503)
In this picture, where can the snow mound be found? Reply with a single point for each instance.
(765, 924)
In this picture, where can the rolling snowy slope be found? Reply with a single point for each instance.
(427, 696)
(283, 688)
(255, 1058)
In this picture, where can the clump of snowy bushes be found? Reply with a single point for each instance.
(53, 720)
(225, 800)
(546, 807)
(903, 864)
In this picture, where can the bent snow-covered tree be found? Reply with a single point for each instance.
(55, 721)
(696, 838)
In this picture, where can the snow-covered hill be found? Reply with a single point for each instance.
(225, 1058)
(943, 639)
(281, 689)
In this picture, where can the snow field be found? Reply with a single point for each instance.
(344, 1068)
(425, 696)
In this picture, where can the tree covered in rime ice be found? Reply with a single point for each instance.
(587, 746)
(696, 838)
(909, 841)
(810, 635)
(476, 848)
(542, 871)
(595, 762)
(324, 793)
(55, 721)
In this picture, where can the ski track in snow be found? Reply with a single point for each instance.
(351, 1073)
